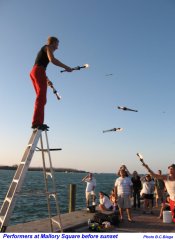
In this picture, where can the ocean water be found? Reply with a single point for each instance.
(31, 203)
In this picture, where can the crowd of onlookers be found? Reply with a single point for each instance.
(130, 192)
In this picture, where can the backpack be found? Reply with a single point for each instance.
(91, 209)
(102, 217)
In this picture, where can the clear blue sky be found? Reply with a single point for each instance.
(132, 39)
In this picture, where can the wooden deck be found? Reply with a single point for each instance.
(143, 223)
(77, 222)
(69, 221)
(146, 223)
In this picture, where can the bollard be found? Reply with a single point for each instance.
(72, 197)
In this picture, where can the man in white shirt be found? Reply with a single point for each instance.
(90, 189)
(123, 193)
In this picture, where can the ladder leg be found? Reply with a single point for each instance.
(47, 173)
(17, 182)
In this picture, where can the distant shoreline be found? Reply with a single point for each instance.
(66, 170)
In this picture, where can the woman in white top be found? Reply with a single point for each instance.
(105, 203)
(147, 192)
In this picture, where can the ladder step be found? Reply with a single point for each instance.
(55, 221)
(58, 223)
(8, 199)
(15, 180)
(52, 195)
(49, 174)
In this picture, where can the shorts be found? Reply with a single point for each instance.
(124, 201)
(89, 194)
(147, 196)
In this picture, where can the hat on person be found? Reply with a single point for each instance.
(172, 165)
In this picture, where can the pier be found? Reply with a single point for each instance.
(77, 222)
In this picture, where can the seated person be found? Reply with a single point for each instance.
(165, 206)
(112, 197)
(105, 203)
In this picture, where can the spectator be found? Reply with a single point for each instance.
(159, 189)
(90, 189)
(165, 206)
(105, 203)
(137, 186)
(113, 200)
(147, 192)
(123, 191)
(126, 170)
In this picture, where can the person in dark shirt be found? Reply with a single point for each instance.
(159, 189)
(137, 186)
(40, 80)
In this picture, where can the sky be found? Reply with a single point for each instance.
(129, 45)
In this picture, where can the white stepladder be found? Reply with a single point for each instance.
(18, 179)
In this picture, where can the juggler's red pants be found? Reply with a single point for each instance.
(39, 80)
(172, 207)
